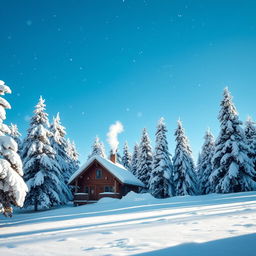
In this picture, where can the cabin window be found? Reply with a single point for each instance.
(108, 189)
(86, 190)
(98, 174)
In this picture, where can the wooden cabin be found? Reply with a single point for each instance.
(100, 177)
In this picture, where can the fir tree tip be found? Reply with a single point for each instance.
(41, 101)
(227, 92)
(161, 121)
(58, 116)
(179, 122)
(249, 119)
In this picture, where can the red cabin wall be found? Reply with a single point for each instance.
(98, 185)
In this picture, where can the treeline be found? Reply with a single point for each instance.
(224, 166)
(49, 159)
(45, 156)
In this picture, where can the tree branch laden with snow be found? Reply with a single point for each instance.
(12, 187)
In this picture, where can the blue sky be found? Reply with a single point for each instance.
(134, 61)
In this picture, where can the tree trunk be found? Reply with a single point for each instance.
(36, 206)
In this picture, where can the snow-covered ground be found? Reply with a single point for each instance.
(137, 225)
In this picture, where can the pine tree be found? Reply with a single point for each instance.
(135, 160)
(126, 159)
(205, 168)
(250, 134)
(161, 184)
(59, 145)
(12, 187)
(15, 134)
(145, 159)
(73, 157)
(42, 171)
(97, 148)
(185, 179)
(233, 170)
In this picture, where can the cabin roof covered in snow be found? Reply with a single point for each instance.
(119, 171)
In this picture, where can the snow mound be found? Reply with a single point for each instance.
(132, 196)
(107, 200)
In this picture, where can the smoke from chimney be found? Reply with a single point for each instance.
(112, 134)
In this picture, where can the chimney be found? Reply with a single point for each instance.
(112, 156)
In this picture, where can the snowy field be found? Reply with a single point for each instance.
(137, 225)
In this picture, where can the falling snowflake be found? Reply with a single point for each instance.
(29, 22)
(139, 114)
(27, 118)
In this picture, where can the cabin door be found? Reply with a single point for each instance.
(92, 193)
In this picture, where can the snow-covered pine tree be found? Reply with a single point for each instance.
(59, 144)
(135, 160)
(97, 148)
(126, 159)
(12, 187)
(15, 134)
(42, 171)
(161, 183)
(205, 168)
(145, 159)
(184, 175)
(233, 170)
(73, 157)
(250, 134)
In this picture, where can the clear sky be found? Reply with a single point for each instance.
(99, 61)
